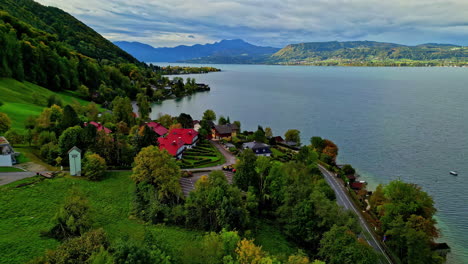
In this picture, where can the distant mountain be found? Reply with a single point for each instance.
(366, 51)
(221, 52)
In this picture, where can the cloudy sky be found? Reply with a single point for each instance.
(273, 22)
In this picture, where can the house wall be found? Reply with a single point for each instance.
(6, 161)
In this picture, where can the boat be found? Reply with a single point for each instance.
(454, 173)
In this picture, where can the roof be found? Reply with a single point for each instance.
(74, 148)
(357, 185)
(99, 127)
(157, 128)
(278, 139)
(290, 143)
(351, 177)
(171, 144)
(186, 134)
(4, 141)
(257, 147)
(225, 129)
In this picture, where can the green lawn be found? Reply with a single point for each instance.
(10, 169)
(22, 99)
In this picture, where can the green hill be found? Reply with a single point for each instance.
(369, 52)
(23, 99)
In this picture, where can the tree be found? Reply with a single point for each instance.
(54, 100)
(209, 115)
(5, 123)
(259, 135)
(70, 137)
(246, 175)
(215, 204)
(317, 143)
(73, 217)
(122, 110)
(238, 124)
(222, 120)
(94, 166)
(330, 149)
(340, 245)
(185, 120)
(70, 118)
(293, 135)
(268, 132)
(159, 169)
(14, 137)
(165, 120)
(143, 106)
(348, 170)
(263, 165)
(249, 253)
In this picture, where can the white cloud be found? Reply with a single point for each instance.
(274, 22)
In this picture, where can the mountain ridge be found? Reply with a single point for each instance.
(229, 48)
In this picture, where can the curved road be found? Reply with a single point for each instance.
(343, 199)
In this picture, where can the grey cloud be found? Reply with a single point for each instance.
(273, 22)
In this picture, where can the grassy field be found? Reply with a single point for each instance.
(10, 169)
(27, 210)
(22, 99)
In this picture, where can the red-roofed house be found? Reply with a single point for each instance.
(99, 127)
(157, 128)
(174, 145)
(188, 135)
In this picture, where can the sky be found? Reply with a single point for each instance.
(168, 23)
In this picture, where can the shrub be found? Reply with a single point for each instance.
(72, 219)
(49, 152)
(14, 137)
(94, 167)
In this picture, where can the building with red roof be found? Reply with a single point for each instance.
(188, 135)
(157, 128)
(99, 126)
(172, 144)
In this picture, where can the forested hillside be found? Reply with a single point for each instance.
(368, 52)
(50, 48)
(68, 29)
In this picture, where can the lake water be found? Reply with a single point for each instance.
(389, 123)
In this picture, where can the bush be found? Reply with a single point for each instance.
(72, 219)
(14, 137)
(5, 123)
(94, 167)
(79, 249)
(49, 152)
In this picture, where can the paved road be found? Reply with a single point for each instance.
(7, 177)
(343, 199)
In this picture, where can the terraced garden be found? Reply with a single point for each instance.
(202, 156)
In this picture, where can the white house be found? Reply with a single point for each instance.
(7, 154)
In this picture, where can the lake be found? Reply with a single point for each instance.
(389, 123)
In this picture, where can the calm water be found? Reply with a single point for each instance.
(389, 123)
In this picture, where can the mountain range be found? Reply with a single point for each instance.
(368, 53)
(235, 49)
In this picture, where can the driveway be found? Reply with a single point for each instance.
(7, 177)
